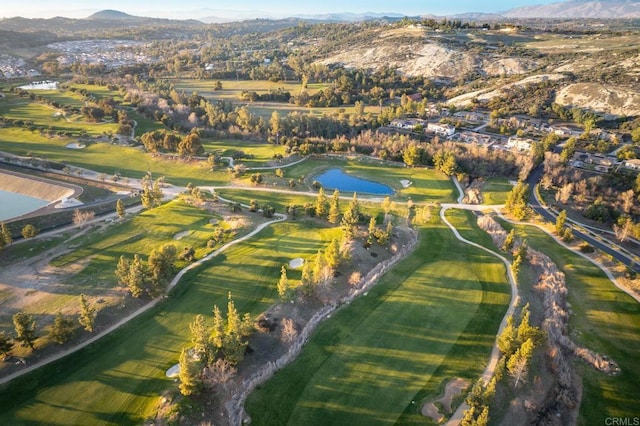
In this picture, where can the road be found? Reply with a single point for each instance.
(606, 246)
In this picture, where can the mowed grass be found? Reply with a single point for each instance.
(108, 158)
(231, 89)
(605, 320)
(119, 379)
(495, 191)
(40, 114)
(63, 97)
(431, 318)
(98, 92)
(257, 153)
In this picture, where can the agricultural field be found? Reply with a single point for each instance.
(377, 360)
(125, 372)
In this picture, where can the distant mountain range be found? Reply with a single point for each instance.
(580, 9)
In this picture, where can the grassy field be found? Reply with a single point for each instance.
(119, 379)
(108, 158)
(257, 153)
(14, 107)
(432, 318)
(495, 191)
(63, 97)
(98, 91)
(605, 320)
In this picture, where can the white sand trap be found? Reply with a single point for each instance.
(66, 203)
(214, 221)
(180, 235)
(75, 145)
(173, 371)
(296, 263)
(406, 183)
(451, 389)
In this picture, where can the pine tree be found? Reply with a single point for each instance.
(306, 280)
(160, 266)
(120, 209)
(371, 231)
(507, 339)
(387, 205)
(5, 235)
(509, 240)
(561, 220)
(350, 219)
(319, 268)
(25, 327)
(321, 204)
(283, 284)
(62, 329)
(332, 254)
(122, 271)
(525, 330)
(334, 208)
(483, 418)
(87, 314)
(233, 318)
(218, 329)
(518, 364)
(200, 338)
(136, 277)
(190, 374)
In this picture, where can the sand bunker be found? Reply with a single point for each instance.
(296, 263)
(180, 235)
(173, 371)
(75, 145)
(405, 183)
(451, 390)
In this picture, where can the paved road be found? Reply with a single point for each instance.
(605, 246)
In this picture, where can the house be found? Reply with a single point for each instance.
(441, 129)
(406, 124)
(521, 144)
(631, 164)
(475, 137)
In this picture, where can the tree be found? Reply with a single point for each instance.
(190, 146)
(319, 268)
(411, 212)
(219, 373)
(160, 266)
(350, 219)
(25, 327)
(289, 332)
(5, 235)
(411, 155)
(120, 209)
(516, 202)
(321, 203)
(80, 217)
(190, 374)
(5, 343)
(371, 230)
(200, 337)
(561, 220)
(87, 314)
(218, 329)
(283, 284)
(507, 339)
(518, 364)
(29, 231)
(62, 329)
(334, 208)
(387, 206)
(623, 228)
(136, 277)
(122, 271)
(306, 280)
(332, 254)
(509, 240)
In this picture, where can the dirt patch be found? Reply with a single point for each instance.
(453, 388)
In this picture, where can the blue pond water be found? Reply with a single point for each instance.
(338, 179)
(13, 204)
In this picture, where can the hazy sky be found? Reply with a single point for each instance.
(280, 8)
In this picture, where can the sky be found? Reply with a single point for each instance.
(271, 9)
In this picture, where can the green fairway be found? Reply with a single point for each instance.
(257, 153)
(605, 320)
(433, 317)
(108, 158)
(495, 191)
(119, 379)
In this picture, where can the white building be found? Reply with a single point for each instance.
(521, 144)
(441, 129)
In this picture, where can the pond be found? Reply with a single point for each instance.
(13, 204)
(338, 179)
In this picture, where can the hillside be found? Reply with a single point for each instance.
(613, 100)
(416, 51)
(577, 9)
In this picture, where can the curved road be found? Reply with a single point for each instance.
(609, 247)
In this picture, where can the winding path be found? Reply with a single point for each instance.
(145, 308)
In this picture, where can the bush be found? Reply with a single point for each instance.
(586, 248)
(29, 231)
